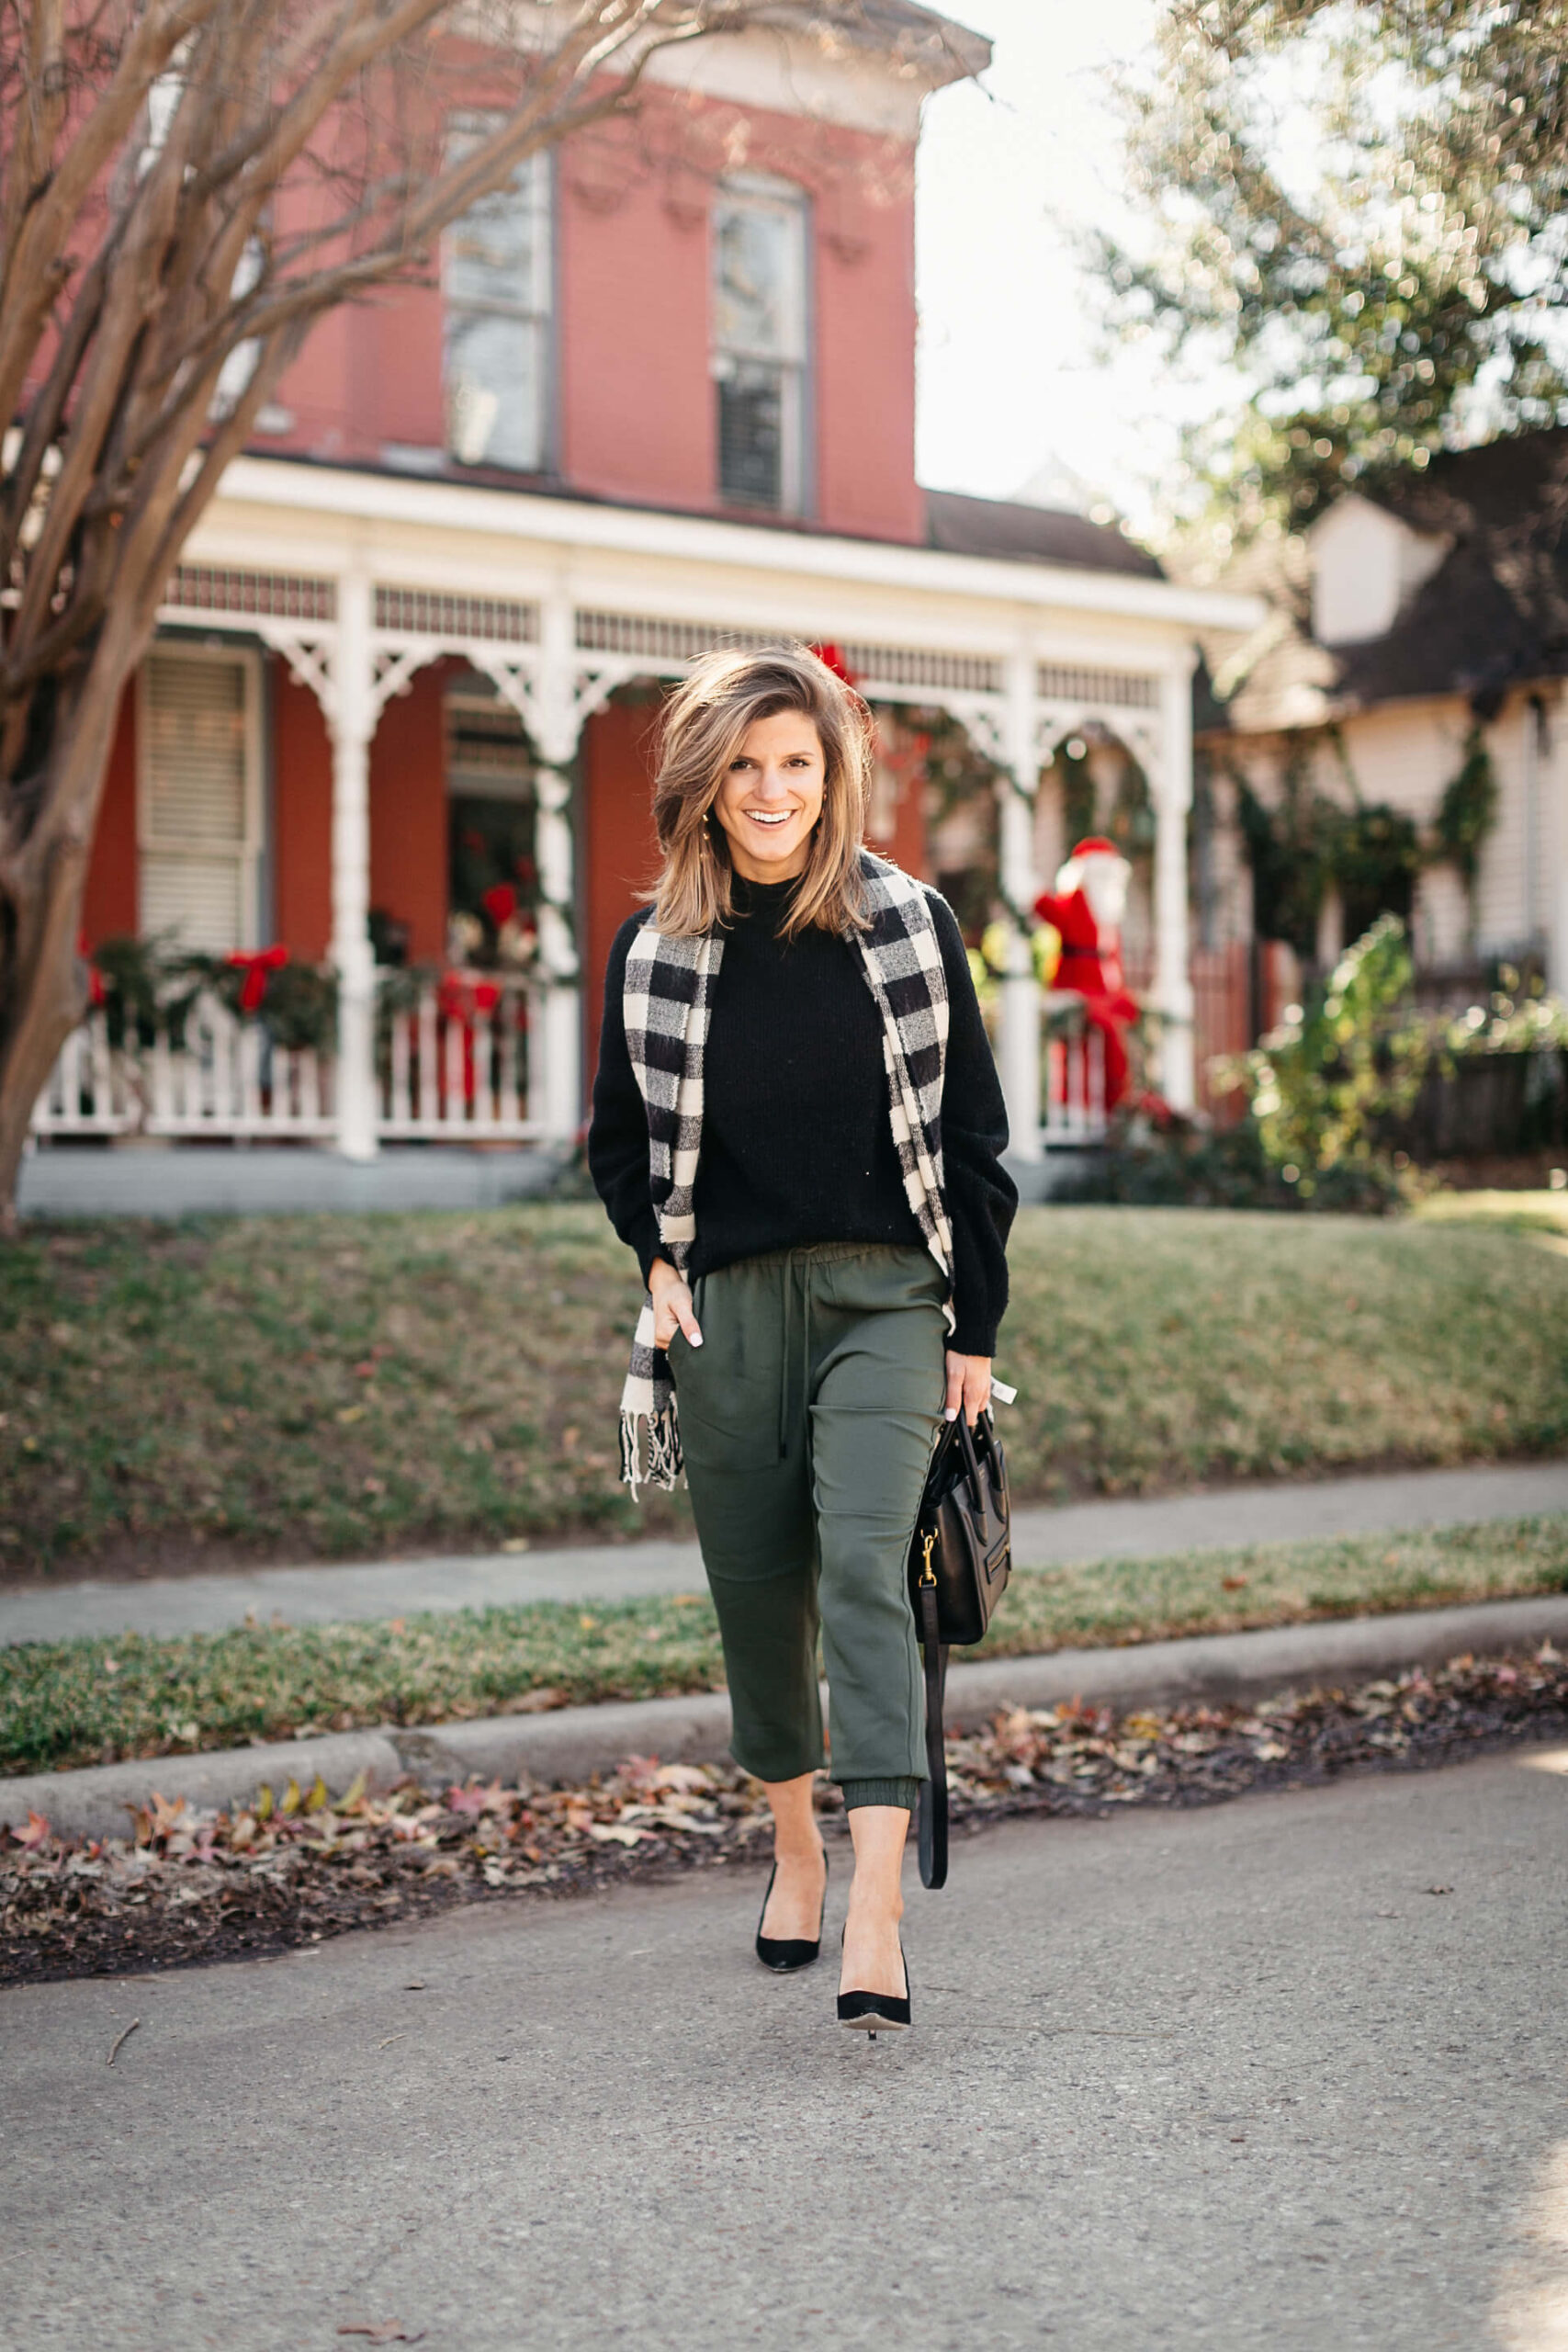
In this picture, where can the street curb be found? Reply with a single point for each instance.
(573, 1743)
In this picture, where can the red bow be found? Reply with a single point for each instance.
(832, 659)
(256, 964)
(460, 998)
(94, 977)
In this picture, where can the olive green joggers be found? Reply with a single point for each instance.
(807, 1418)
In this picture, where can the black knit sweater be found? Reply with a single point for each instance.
(797, 1144)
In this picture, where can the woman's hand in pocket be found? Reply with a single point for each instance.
(672, 1310)
(968, 1386)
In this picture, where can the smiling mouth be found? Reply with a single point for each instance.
(768, 817)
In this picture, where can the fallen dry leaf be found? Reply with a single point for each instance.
(188, 1884)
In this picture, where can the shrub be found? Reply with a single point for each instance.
(1180, 1164)
(1319, 1085)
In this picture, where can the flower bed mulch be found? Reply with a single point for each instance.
(187, 1887)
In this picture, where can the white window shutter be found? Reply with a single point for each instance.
(196, 800)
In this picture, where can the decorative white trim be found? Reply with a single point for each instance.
(309, 661)
(1059, 682)
(426, 611)
(210, 590)
(392, 668)
(266, 484)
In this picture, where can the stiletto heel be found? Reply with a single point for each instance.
(784, 1954)
(871, 2013)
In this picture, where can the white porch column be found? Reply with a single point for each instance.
(1172, 785)
(1017, 1054)
(352, 718)
(555, 728)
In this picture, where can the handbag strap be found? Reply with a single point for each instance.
(972, 1471)
(933, 1789)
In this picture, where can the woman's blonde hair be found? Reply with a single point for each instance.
(704, 724)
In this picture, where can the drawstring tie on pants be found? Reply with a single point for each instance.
(786, 1318)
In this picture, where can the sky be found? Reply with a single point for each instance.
(1010, 382)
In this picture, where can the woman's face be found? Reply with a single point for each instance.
(772, 797)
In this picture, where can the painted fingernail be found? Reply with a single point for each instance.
(694, 1338)
(950, 1412)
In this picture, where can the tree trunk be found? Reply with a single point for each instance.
(43, 983)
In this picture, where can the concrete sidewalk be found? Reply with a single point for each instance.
(330, 1593)
(1283, 2073)
(162, 1181)
(571, 1744)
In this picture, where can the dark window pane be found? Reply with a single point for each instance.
(750, 437)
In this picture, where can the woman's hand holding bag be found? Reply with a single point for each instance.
(968, 1387)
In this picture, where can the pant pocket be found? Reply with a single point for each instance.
(726, 1390)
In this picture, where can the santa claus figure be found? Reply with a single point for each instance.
(1087, 907)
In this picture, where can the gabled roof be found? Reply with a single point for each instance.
(999, 526)
(1493, 612)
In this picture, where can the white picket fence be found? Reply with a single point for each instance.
(452, 1065)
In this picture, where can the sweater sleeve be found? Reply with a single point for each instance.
(981, 1196)
(618, 1133)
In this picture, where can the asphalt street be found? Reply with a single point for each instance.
(1286, 2072)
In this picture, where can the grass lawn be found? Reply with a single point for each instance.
(1539, 1213)
(92, 1701)
(299, 1387)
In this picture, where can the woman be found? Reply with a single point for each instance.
(797, 1127)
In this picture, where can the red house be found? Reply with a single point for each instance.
(395, 721)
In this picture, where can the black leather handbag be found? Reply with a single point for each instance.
(959, 1563)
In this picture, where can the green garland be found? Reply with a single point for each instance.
(1467, 810)
(149, 983)
(1290, 851)
(1306, 843)
(1375, 858)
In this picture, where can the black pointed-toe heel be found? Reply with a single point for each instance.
(784, 1954)
(874, 2013)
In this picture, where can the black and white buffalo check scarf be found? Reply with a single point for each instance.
(666, 1006)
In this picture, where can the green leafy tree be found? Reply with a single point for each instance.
(1361, 207)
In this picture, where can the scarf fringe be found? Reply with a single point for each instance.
(666, 1462)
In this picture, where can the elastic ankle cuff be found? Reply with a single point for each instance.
(904, 1792)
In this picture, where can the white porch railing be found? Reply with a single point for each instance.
(1074, 1091)
(461, 1060)
(458, 1059)
(454, 1063)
